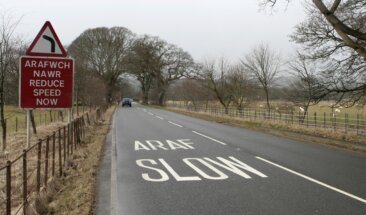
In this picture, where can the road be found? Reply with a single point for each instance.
(158, 162)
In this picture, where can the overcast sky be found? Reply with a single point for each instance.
(204, 28)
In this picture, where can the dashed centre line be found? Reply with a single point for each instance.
(213, 139)
(159, 117)
(314, 180)
(175, 124)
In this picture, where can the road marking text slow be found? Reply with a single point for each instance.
(203, 168)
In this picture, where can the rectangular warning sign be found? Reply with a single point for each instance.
(46, 82)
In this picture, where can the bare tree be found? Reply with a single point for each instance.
(103, 52)
(241, 86)
(264, 65)
(216, 76)
(303, 90)
(192, 92)
(335, 31)
(142, 59)
(8, 54)
(173, 65)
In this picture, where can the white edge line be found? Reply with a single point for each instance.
(159, 117)
(151, 113)
(222, 143)
(175, 124)
(114, 195)
(314, 180)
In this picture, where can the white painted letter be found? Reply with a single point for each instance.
(164, 176)
(158, 144)
(232, 166)
(186, 142)
(175, 174)
(174, 145)
(221, 175)
(140, 146)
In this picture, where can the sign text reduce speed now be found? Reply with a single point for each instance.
(46, 82)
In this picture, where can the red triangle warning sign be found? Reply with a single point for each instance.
(46, 43)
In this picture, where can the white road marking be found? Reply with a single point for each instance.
(159, 117)
(151, 113)
(175, 124)
(218, 141)
(314, 181)
(114, 196)
(212, 169)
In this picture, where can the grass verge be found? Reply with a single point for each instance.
(348, 141)
(76, 195)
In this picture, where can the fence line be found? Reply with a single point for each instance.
(25, 176)
(334, 122)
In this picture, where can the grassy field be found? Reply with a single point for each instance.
(322, 115)
(320, 108)
(16, 117)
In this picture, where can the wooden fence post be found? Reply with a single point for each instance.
(83, 125)
(39, 156)
(25, 182)
(64, 142)
(53, 153)
(59, 151)
(8, 188)
(68, 140)
(87, 116)
(46, 161)
(307, 119)
(74, 133)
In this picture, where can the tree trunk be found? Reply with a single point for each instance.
(3, 126)
(267, 100)
(161, 97)
(226, 110)
(61, 115)
(2, 118)
(77, 102)
(51, 119)
(145, 98)
(33, 122)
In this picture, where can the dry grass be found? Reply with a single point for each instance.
(16, 144)
(77, 194)
(324, 136)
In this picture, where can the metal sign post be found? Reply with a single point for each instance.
(28, 129)
(69, 116)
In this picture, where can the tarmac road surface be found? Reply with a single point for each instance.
(158, 162)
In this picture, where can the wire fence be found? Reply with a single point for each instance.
(335, 122)
(16, 121)
(24, 177)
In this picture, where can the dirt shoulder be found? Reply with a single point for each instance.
(352, 142)
(77, 190)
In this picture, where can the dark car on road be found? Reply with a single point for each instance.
(126, 102)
